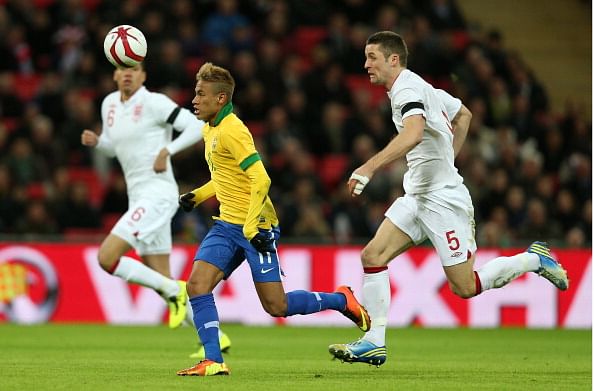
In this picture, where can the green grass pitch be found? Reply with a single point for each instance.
(99, 357)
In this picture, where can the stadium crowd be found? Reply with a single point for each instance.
(303, 92)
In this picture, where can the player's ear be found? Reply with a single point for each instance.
(394, 59)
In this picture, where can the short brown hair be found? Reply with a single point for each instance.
(222, 79)
(390, 43)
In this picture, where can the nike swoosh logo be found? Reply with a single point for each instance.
(264, 271)
(364, 325)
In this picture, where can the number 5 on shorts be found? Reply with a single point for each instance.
(453, 242)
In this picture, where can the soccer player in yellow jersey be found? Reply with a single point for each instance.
(246, 229)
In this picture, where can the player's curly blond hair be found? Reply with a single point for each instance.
(222, 79)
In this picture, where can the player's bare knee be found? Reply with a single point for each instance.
(277, 309)
(196, 287)
(370, 257)
(106, 261)
(463, 291)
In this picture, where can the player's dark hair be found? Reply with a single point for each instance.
(222, 79)
(390, 43)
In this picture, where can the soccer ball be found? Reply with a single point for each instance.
(125, 46)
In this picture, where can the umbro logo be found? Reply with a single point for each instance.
(264, 271)
(456, 254)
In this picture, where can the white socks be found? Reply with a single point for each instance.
(138, 273)
(376, 299)
(501, 270)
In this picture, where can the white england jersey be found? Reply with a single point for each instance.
(135, 131)
(431, 162)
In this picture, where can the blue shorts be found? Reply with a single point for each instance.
(226, 248)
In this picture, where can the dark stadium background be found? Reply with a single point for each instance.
(303, 92)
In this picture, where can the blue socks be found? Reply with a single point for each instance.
(304, 302)
(206, 320)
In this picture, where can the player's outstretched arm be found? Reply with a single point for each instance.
(407, 139)
(461, 123)
(189, 201)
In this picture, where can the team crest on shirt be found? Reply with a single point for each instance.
(137, 113)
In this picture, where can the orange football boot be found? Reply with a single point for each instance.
(205, 368)
(354, 310)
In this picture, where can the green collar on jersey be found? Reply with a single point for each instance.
(225, 111)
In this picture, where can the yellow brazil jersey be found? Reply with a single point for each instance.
(229, 151)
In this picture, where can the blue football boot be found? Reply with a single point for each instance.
(359, 351)
(549, 267)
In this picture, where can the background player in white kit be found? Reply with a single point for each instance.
(432, 126)
(137, 129)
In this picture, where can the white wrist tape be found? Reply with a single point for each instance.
(362, 181)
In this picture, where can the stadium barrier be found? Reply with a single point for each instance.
(63, 283)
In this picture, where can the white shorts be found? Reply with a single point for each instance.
(444, 216)
(146, 226)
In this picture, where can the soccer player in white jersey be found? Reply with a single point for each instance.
(431, 126)
(137, 129)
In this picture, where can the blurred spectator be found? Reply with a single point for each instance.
(537, 223)
(310, 12)
(445, 15)
(10, 104)
(76, 211)
(9, 208)
(515, 204)
(25, 167)
(565, 209)
(553, 150)
(170, 70)
(115, 199)
(577, 176)
(44, 143)
(497, 188)
(36, 220)
(575, 238)
(226, 27)
(331, 136)
(278, 129)
(355, 55)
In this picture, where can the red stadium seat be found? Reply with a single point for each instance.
(26, 86)
(192, 64)
(42, 3)
(90, 5)
(10, 123)
(36, 191)
(356, 83)
(256, 128)
(307, 37)
(331, 169)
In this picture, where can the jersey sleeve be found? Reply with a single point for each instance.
(410, 103)
(240, 144)
(190, 128)
(451, 104)
(163, 108)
